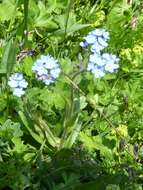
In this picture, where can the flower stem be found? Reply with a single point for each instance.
(25, 28)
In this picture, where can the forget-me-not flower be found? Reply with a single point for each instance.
(97, 39)
(98, 71)
(99, 63)
(111, 62)
(102, 63)
(46, 69)
(17, 84)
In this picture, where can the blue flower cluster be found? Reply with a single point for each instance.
(17, 84)
(46, 69)
(99, 63)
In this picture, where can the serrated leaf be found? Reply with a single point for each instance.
(44, 19)
(72, 24)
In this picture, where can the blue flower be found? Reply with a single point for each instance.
(96, 48)
(90, 39)
(99, 63)
(55, 72)
(97, 39)
(90, 66)
(110, 67)
(111, 62)
(100, 32)
(84, 44)
(18, 92)
(102, 42)
(17, 84)
(46, 69)
(98, 71)
(96, 59)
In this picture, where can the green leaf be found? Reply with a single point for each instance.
(72, 25)
(3, 103)
(73, 135)
(43, 21)
(10, 130)
(27, 66)
(66, 65)
(8, 10)
(8, 58)
(38, 138)
(54, 141)
(87, 140)
(102, 181)
(57, 4)
(43, 18)
(117, 15)
(83, 102)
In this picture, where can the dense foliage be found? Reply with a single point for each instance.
(71, 104)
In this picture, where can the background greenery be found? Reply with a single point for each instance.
(81, 132)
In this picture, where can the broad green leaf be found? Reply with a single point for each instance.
(95, 143)
(52, 98)
(54, 141)
(87, 140)
(26, 124)
(68, 143)
(8, 58)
